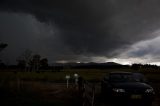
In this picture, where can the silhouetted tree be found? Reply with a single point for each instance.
(21, 64)
(32, 62)
(44, 63)
(2, 46)
(27, 57)
(24, 59)
(136, 66)
(35, 62)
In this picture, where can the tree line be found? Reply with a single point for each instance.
(27, 61)
(32, 62)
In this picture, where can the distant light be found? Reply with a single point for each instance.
(78, 62)
(76, 75)
(62, 61)
(67, 77)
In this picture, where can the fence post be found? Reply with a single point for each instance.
(93, 95)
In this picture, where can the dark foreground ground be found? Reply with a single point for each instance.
(35, 93)
(49, 88)
(38, 94)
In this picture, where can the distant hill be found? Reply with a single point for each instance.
(111, 64)
(90, 65)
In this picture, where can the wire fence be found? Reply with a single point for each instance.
(87, 91)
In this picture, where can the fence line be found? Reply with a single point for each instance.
(88, 92)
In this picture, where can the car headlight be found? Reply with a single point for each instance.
(150, 90)
(118, 90)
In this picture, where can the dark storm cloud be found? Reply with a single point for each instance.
(93, 27)
(28, 34)
(79, 21)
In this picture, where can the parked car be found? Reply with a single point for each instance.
(127, 87)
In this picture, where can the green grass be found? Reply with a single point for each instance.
(88, 74)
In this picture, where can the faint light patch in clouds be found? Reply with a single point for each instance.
(146, 52)
(124, 61)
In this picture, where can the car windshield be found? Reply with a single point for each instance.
(126, 77)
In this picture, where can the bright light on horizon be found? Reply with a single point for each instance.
(128, 61)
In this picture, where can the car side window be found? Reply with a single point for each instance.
(115, 78)
(139, 77)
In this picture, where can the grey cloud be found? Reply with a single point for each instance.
(22, 31)
(148, 51)
(91, 27)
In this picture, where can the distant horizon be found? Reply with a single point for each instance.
(71, 62)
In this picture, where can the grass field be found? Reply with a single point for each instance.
(47, 87)
(88, 74)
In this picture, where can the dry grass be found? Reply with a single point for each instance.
(47, 88)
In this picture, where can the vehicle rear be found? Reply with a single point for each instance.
(127, 87)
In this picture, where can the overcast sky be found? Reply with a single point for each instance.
(124, 31)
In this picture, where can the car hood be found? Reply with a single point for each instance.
(131, 85)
